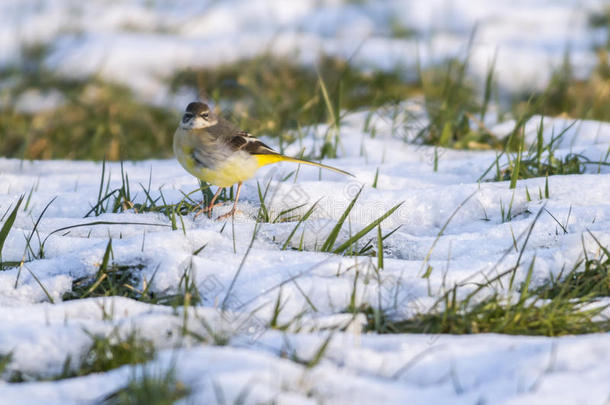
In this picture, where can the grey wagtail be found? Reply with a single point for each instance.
(215, 151)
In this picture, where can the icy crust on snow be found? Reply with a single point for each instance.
(139, 43)
(475, 245)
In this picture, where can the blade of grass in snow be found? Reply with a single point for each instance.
(303, 219)
(334, 233)
(46, 292)
(366, 230)
(6, 227)
(95, 223)
(379, 248)
(438, 236)
(515, 173)
(241, 265)
(34, 230)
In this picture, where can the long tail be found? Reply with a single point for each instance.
(268, 159)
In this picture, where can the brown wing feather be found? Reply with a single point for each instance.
(237, 139)
(245, 141)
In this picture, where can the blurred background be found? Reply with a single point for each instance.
(108, 78)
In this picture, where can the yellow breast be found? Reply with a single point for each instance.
(240, 166)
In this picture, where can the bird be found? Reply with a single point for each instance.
(216, 151)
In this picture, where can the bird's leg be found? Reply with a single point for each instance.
(209, 208)
(232, 212)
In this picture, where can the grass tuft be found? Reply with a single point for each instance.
(5, 360)
(588, 279)
(110, 352)
(555, 309)
(541, 160)
(497, 315)
(570, 96)
(105, 353)
(350, 245)
(113, 279)
(560, 306)
(456, 114)
(96, 120)
(147, 386)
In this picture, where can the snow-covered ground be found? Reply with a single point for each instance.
(140, 43)
(357, 368)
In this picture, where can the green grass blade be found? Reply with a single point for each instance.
(46, 292)
(334, 233)
(366, 229)
(440, 233)
(446, 134)
(106, 258)
(264, 212)
(6, 228)
(329, 104)
(488, 86)
(65, 228)
(379, 248)
(34, 230)
(515, 174)
(540, 143)
(491, 166)
(376, 178)
(97, 207)
(527, 282)
(303, 219)
(282, 216)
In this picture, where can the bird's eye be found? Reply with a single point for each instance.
(205, 116)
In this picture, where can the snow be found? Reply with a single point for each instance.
(358, 368)
(141, 43)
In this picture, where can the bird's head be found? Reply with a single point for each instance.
(198, 116)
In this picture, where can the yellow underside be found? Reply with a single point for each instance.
(240, 167)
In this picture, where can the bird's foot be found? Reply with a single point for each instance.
(207, 210)
(228, 214)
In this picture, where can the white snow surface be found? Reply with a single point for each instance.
(316, 287)
(140, 43)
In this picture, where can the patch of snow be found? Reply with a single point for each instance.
(141, 44)
(315, 287)
(32, 101)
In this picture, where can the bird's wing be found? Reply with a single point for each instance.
(242, 140)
